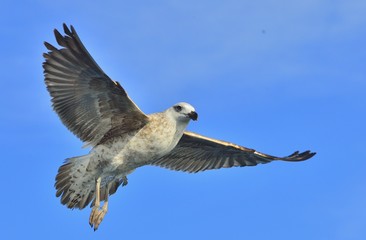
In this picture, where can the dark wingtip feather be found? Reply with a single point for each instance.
(296, 156)
(66, 29)
(73, 31)
(49, 46)
(59, 38)
(46, 56)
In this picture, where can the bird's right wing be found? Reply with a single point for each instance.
(195, 153)
(89, 103)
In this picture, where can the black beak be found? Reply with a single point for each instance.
(193, 115)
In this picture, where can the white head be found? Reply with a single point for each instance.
(183, 112)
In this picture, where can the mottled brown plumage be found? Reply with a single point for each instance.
(87, 101)
(99, 111)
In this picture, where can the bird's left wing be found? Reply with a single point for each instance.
(195, 153)
(89, 103)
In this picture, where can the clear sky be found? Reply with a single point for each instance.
(277, 76)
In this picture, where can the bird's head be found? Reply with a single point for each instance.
(183, 112)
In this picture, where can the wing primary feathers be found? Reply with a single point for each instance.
(87, 101)
(195, 153)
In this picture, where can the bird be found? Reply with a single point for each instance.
(122, 138)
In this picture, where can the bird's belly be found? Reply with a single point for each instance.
(142, 149)
(124, 155)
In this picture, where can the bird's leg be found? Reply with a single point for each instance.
(97, 214)
(96, 206)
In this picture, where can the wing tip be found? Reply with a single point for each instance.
(68, 31)
(297, 156)
(59, 37)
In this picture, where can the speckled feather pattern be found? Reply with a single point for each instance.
(117, 158)
(98, 111)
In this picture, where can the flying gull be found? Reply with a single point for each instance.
(98, 110)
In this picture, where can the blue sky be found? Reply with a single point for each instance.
(276, 76)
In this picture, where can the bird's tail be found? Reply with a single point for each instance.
(75, 182)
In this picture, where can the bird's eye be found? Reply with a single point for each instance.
(178, 108)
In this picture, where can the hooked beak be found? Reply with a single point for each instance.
(193, 115)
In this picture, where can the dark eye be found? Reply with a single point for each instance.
(178, 108)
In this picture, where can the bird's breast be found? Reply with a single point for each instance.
(151, 142)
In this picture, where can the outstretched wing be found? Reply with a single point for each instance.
(89, 103)
(195, 153)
